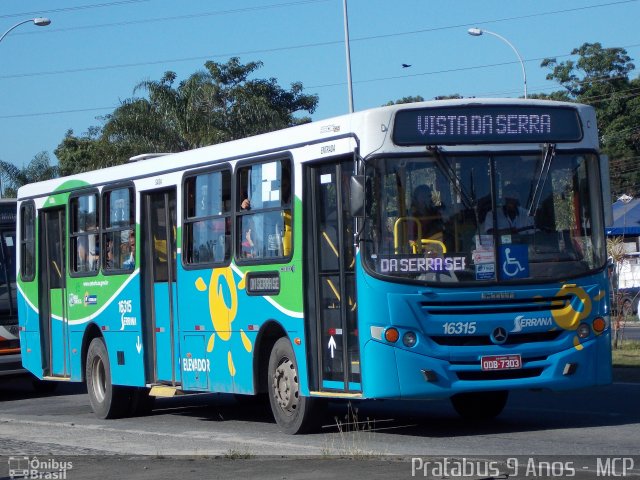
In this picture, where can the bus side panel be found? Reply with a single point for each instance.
(28, 317)
(214, 304)
(163, 333)
(30, 348)
(31, 352)
(112, 303)
(123, 337)
(127, 362)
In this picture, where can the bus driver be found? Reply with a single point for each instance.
(512, 218)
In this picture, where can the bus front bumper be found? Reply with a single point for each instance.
(418, 376)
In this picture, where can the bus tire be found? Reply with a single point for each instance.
(480, 406)
(107, 400)
(293, 412)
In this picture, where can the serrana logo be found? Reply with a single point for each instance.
(521, 322)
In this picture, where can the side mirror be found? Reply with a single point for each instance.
(357, 196)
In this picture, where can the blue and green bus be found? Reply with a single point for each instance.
(446, 249)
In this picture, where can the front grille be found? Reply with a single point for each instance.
(496, 307)
(481, 340)
(500, 375)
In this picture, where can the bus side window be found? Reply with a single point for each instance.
(27, 241)
(84, 238)
(207, 218)
(118, 230)
(264, 211)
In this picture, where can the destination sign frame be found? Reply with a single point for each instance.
(262, 283)
(8, 213)
(482, 124)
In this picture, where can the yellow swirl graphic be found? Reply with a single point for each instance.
(222, 315)
(246, 342)
(568, 317)
(232, 368)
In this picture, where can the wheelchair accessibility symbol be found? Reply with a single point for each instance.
(514, 261)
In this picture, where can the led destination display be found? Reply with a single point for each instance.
(477, 124)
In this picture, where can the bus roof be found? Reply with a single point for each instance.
(316, 132)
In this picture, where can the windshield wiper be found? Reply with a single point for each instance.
(548, 154)
(468, 201)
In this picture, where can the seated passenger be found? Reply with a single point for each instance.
(130, 257)
(248, 240)
(426, 213)
(512, 218)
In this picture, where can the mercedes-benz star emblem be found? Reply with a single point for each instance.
(499, 336)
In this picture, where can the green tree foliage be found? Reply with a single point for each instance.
(417, 98)
(455, 96)
(600, 77)
(38, 169)
(219, 104)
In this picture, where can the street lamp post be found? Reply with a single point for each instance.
(348, 54)
(39, 21)
(476, 32)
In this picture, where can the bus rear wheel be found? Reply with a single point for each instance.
(293, 412)
(480, 406)
(107, 400)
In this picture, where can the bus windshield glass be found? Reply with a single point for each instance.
(490, 218)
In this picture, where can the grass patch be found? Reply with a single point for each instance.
(235, 454)
(627, 354)
(353, 438)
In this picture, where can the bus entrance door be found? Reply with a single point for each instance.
(332, 298)
(159, 225)
(54, 326)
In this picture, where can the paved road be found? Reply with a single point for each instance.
(631, 331)
(603, 421)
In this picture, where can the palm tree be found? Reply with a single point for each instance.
(212, 106)
(12, 177)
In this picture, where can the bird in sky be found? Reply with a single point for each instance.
(405, 65)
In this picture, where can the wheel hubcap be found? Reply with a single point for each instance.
(285, 386)
(99, 380)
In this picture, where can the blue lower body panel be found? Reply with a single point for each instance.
(399, 373)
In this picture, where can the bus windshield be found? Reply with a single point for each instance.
(493, 218)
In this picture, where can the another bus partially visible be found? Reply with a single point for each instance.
(10, 362)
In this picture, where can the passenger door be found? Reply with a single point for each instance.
(331, 301)
(159, 224)
(53, 307)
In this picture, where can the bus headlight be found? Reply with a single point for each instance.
(409, 339)
(584, 330)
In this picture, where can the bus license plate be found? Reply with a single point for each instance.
(501, 362)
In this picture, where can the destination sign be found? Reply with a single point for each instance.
(8, 213)
(263, 283)
(475, 124)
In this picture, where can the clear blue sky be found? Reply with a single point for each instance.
(93, 54)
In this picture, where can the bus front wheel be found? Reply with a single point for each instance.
(293, 412)
(479, 406)
(107, 400)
